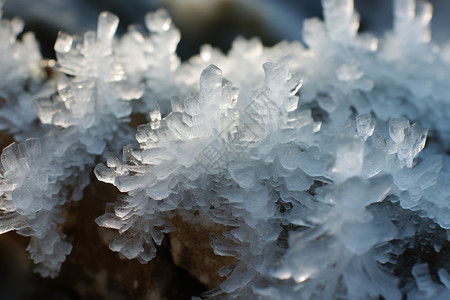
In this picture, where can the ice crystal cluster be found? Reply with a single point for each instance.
(313, 154)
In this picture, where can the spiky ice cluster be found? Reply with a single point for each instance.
(313, 161)
(322, 171)
(87, 112)
(21, 77)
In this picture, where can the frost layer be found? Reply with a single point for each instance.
(312, 153)
(40, 175)
(21, 77)
(312, 161)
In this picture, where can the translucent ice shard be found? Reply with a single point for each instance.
(151, 58)
(63, 43)
(98, 90)
(411, 20)
(341, 21)
(106, 28)
(398, 129)
(365, 125)
(412, 145)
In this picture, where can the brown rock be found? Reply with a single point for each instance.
(191, 250)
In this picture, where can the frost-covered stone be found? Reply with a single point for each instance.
(265, 161)
(314, 155)
(273, 148)
(87, 112)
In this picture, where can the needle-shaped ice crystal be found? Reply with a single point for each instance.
(340, 19)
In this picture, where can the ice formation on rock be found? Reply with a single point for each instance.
(87, 111)
(273, 153)
(312, 153)
(20, 68)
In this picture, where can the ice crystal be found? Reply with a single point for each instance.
(96, 94)
(151, 58)
(41, 174)
(20, 68)
(313, 154)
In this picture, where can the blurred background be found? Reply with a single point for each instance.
(216, 22)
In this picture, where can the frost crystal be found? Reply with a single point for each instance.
(41, 174)
(152, 58)
(313, 155)
(21, 77)
(263, 162)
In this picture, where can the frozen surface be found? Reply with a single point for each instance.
(314, 154)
